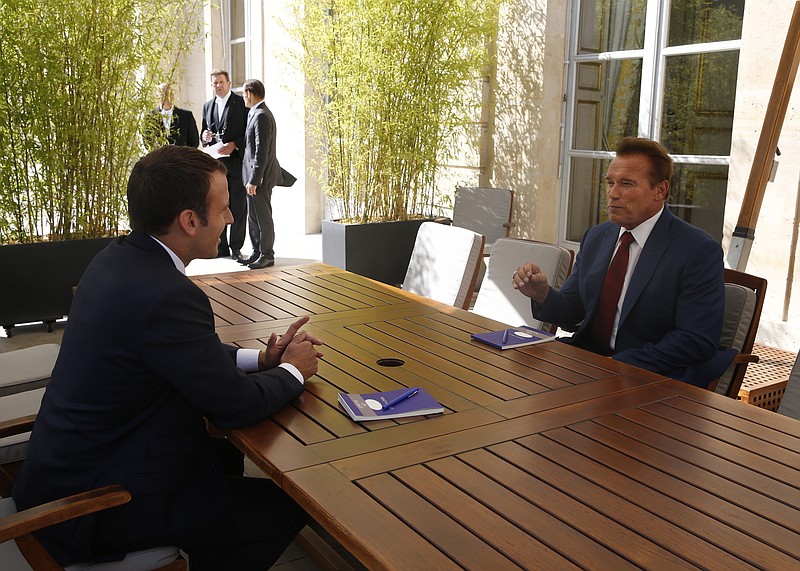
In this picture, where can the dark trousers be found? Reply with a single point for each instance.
(259, 218)
(238, 206)
(247, 523)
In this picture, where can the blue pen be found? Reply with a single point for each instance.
(505, 336)
(401, 397)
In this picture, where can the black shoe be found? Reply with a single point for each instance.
(261, 262)
(249, 259)
(235, 254)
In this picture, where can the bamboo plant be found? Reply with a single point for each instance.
(80, 78)
(392, 90)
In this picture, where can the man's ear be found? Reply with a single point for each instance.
(189, 222)
(662, 190)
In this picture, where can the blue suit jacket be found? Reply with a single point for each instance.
(672, 313)
(140, 368)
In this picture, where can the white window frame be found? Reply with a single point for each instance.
(653, 56)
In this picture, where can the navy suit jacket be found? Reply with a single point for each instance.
(260, 164)
(233, 122)
(139, 371)
(671, 318)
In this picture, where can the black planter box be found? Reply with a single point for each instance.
(37, 279)
(377, 250)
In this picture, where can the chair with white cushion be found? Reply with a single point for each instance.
(19, 550)
(23, 375)
(444, 264)
(498, 299)
(744, 298)
(484, 210)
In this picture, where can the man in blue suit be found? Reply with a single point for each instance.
(141, 369)
(668, 317)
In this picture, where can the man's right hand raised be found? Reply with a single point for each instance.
(532, 282)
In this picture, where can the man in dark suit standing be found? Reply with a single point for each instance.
(223, 125)
(139, 371)
(669, 294)
(260, 173)
(171, 125)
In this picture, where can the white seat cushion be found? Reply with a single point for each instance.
(13, 448)
(28, 368)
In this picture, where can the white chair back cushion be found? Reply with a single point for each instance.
(486, 211)
(498, 299)
(444, 263)
(790, 401)
(12, 560)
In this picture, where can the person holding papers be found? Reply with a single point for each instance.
(659, 303)
(223, 131)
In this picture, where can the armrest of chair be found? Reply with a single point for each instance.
(745, 358)
(16, 426)
(57, 511)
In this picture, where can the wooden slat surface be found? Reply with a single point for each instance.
(546, 457)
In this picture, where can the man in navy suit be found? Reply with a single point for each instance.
(669, 315)
(224, 122)
(260, 173)
(139, 372)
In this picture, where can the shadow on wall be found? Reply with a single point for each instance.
(519, 108)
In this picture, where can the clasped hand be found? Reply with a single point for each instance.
(531, 281)
(295, 347)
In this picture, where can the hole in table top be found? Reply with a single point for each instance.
(391, 362)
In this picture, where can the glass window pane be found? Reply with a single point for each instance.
(587, 197)
(237, 19)
(700, 21)
(698, 196)
(606, 103)
(698, 103)
(238, 69)
(609, 26)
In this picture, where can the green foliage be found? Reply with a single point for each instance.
(80, 78)
(392, 85)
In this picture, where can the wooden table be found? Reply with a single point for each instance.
(547, 457)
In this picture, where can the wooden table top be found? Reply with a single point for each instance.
(547, 457)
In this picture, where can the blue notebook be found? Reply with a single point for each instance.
(369, 406)
(514, 337)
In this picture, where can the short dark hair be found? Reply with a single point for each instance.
(220, 72)
(255, 87)
(661, 165)
(166, 182)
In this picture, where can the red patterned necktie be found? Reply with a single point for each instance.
(609, 296)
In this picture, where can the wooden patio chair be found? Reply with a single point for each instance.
(744, 299)
(19, 549)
